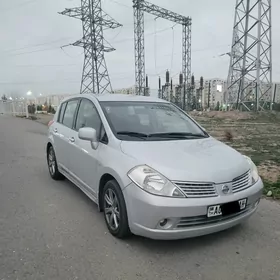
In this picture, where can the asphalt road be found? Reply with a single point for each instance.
(51, 230)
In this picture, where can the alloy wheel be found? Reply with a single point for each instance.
(112, 209)
(51, 161)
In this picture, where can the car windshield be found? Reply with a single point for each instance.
(147, 121)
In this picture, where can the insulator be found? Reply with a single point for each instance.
(181, 79)
(201, 82)
(167, 77)
(192, 81)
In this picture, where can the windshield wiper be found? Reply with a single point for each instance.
(133, 134)
(178, 135)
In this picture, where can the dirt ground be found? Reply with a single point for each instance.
(255, 135)
(44, 118)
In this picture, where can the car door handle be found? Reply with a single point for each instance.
(72, 139)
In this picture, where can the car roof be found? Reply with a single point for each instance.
(119, 97)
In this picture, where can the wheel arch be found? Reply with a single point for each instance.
(106, 177)
(48, 146)
(102, 182)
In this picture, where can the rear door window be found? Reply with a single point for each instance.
(69, 114)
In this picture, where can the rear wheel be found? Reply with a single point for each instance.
(52, 165)
(115, 213)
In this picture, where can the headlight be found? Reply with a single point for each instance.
(254, 170)
(153, 182)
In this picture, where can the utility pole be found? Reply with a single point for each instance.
(95, 78)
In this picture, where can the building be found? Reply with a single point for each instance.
(218, 89)
(130, 90)
(250, 92)
(213, 93)
(50, 100)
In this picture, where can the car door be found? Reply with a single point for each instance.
(55, 130)
(63, 133)
(84, 159)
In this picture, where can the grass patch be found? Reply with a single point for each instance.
(274, 188)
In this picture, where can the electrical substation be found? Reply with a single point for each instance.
(250, 68)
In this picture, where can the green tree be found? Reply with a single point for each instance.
(218, 106)
(4, 97)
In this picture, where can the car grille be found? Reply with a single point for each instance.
(241, 183)
(204, 220)
(197, 190)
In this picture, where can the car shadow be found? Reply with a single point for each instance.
(165, 246)
(159, 246)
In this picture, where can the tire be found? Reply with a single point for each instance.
(52, 165)
(116, 212)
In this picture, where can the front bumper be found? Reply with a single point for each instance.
(187, 217)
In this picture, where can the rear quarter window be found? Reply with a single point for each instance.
(61, 112)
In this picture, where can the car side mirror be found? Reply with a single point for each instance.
(89, 134)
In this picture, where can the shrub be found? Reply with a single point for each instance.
(228, 135)
(274, 188)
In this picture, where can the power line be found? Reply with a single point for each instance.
(46, 65)
(43, 50)
(117, 35)
(39, 82)
(62, 48)
(71, 80)
(147, 34)
(200, 50)
(121, 4)
(36, 45)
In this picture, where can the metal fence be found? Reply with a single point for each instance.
(14, 108)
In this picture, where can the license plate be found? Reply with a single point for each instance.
(226, 209)
(214, 211)
(242, 203)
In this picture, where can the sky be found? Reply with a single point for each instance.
(32, 33)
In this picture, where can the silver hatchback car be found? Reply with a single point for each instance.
(150, 167)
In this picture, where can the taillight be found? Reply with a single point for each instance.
(50, 123)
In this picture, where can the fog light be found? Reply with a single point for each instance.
(163, 223)
(166, 224)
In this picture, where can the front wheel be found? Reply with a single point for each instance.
(115, 213)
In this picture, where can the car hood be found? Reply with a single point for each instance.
(203, 160)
